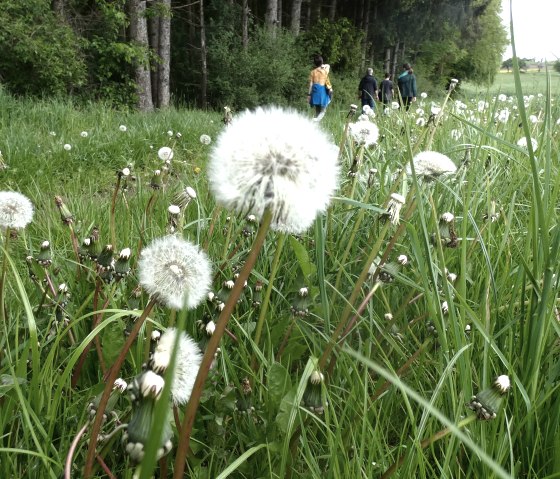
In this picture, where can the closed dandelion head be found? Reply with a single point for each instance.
(364, 132)
(277, 160)
(122, 265)
(165, 153)
(65, 214)
(453, 83)
(156, 181)
(486, 404)
(394, 206)
(120, 385)
(148, 384)
(352, 111)
(188, 359)
(431, 164)
(16, 210)
(45, 258)
(175, 271)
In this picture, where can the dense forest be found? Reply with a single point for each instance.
(208, 53)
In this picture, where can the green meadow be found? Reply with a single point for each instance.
(411, 331)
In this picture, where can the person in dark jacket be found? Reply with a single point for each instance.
(386, 90)
(367, 90)
(407, 86)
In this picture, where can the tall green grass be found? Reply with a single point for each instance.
(406, 368)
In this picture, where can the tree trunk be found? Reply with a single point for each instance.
(153, 37)
(365, 45)
(245, 24)
(279, 13)
(164, 52)
(332, 11)
(203, 59)
(296, 17)
(139, 33)
(315, 11)
(270, 17)
(395, 59)
(387, 61)
(58, 7)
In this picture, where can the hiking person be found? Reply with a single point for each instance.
(320, 89)
(367, 89)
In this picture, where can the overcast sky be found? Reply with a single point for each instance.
(535, 26)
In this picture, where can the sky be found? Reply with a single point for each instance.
(535, 26)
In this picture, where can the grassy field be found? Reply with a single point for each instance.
(532, 81)
(410, 330)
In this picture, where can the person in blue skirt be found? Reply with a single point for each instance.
(320, 89)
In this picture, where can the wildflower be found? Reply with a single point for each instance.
(84, 134)
(67, 147)
(394, 207)
(277, 160)
(364, 132)
(451, 277)
(388, 317)
(420, 122)
(522, 142)
(453, 83)
(205, 139)
(165, 153)
(402, 259)
(482, 105)
(175, 271)
(44, 258)
(502, 97)
(188, 359)
(16, 210)
(122, 266)
(184, 197)
(487, 403)
(503, 115)
(169, 132)
(120, 385)
(395, 105)
(435, 110)
(122, 128)
(210, 328)
(444, 307)
(533, 119)
(178, 135)
(423, 95)
(432, 164)
(197, 170)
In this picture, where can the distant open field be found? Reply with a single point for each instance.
(532, 82)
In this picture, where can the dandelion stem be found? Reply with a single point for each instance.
(266, 298)
(113, 207)
(3, 274)
(70, 455)
(212, 346)
(110, 381)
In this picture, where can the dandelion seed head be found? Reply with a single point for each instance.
(188, 359)
(423, 95)
(432, 163)
(84, 134)
(205, 139)
(364, 132)
(16, 210)
(502, 384)
(165, 153)
(447, 217)
(278, 160)
(502, 97)
(522, 142)
(122, 128)
(420, 122)
(67, 147)
(175, 271)
(395, 105)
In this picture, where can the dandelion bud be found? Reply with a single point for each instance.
(105, 261)
(453, 83)
(257, 295)
(316, 377)
(156, 181)
(44, 258)
(486, 404)
(210, 328)
(312, 398)
(122, 266)
(173, 218)
(394, 206)
(65, 214)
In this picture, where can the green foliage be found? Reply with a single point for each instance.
(39, 54)
(338, 42)
(557, 66)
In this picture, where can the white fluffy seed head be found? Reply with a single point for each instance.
(175, 271)
(364, 132)
(165, 153)
(502, 383)
(522, 142)
(173, 209)
(278, 160)
(432, 163)
(187, 362)
(205, 139)
(447, 217)
(16, 210)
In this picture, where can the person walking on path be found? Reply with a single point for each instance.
(320, 89)
(407, 86)
(367, 90)
(386, 90)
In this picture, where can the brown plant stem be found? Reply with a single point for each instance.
(113, 374)
(113, 208)
(217, 211)
(425, 443)
(212, 346)
(70, 455)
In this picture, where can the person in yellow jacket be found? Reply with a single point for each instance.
(320, 89)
